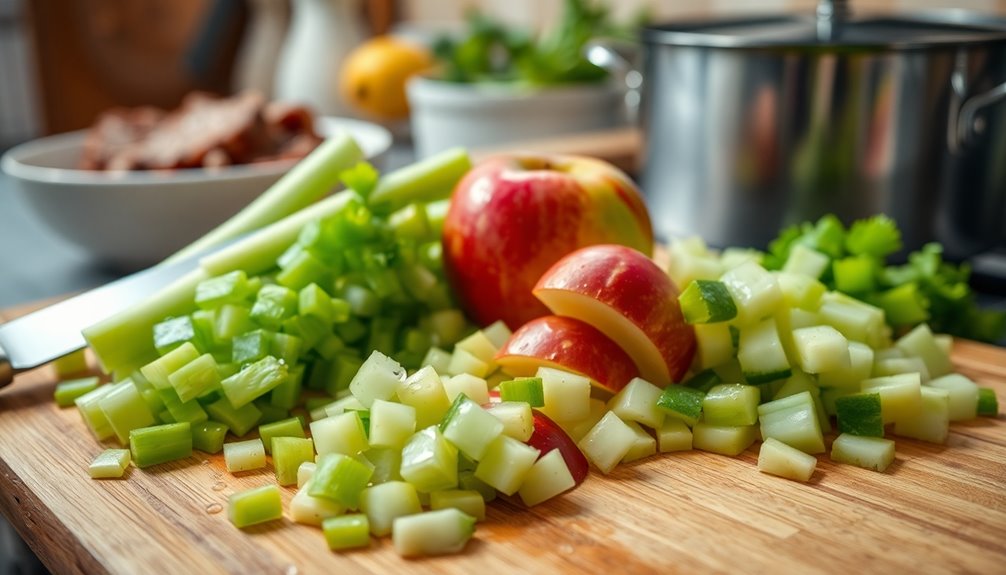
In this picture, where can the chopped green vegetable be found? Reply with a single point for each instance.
(68, 391)
(254, 506)
(988, 404)
(109, 464)
(208, 436)
(160, 443)
(707, 301)
(346, 531)
(526, 389)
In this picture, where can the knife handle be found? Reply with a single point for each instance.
(6, 369)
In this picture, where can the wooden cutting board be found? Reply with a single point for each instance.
(937, 509)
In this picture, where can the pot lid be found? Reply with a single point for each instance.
(832, 25)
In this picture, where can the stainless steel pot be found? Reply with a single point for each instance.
(752, 124)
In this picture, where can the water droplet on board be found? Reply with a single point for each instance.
(214, 508)
(206, 462)
(565, 548)
(292, 570)
(219, 486)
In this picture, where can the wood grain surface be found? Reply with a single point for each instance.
(937, 509)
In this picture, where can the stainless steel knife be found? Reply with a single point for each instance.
(52, 332)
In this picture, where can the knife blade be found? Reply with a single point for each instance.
(54, 331)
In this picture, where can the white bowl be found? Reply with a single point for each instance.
(486, 115)
(130, 220)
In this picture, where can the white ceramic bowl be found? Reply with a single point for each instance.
(134, 219)
(486, 115)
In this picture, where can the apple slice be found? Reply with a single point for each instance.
(626, 296)
(548, 436)
(569, 344)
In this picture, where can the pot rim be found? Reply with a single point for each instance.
(974, 29)
(442, 91)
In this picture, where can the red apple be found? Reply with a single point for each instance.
(512, 217)
(570, 344)
(625, 295)
(548, 435)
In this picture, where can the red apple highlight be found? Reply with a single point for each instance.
(625, 295)
(512, 217)
(569, 344)
(548, 435)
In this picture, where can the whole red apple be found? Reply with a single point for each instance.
(512, 217)
(570, 344)
(629, 298)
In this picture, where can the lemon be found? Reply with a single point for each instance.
(373, 76)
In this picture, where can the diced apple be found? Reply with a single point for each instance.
(567, 395)
(548, 477)
(777, 458)
(674, 435)
(962, 394)
(637, 401)
(608, 442)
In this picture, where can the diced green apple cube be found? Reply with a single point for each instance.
(437, 358)
(577, 430)
(899, 365)
(900, 395)
(429, 461)
(921, 343)
(470, 428)
(777, 458)
(714, 344)
(962, 393)
(608, 442)
(794, 421)
(391, 424)
(479, 345)
(517, 419)
(637, 401)
(800, 291)
(755, 291)
(644, 446)
(497, 333)
(731, 404)
(932, 421)
(674, 435)
(386, 502)
(821, 349)
(424, 391)
(506, 463)
(724, 439)
(867, 452)
(548, 477)
(567, 395)
(464, 361)
(806, 261)
(761, 354)
(378, 378)
(343, 433)
(432, 532)
(861, 357)
(466, 500)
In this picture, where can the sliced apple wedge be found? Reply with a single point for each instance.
(569, 344)
(626, 296)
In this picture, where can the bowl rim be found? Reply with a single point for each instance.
(15, 163)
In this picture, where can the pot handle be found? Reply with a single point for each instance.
(613, 57)
(969, 124)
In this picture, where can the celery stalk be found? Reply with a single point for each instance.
(160, 443)
(427, 180)
(67, 392)
(254, 506)
(308, 181)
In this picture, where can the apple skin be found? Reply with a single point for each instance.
(629, 298)
(570, 344)
(548, 435)
(511, 217)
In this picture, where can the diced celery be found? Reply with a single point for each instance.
(302, 270)
(254, 506)
(860, 414)
(707, 301)
(273, 304)
(175, 331)
(288, 453)
(310, 510)
(517, 418)
(387, 462)
(195, 377)
(239, 421)
(125, 410)
(250, 346)
(230, 321)
(903, 304)
(287, 394)
(109, 464)
(674, 435)
(340, 406)
(437, 358)
(429, 461)
(777, 458)
(724, 439)
(432, 532)
(346, 531)
(988, 404)
(430, 179)
(731, 404)
(608, 442)
(566, 395)
(684, 403)
(526, 389)
(305, 471)
(932, 420)
(448, 326)
(254, 381)
(244, 455)
(73, 363)
(343, 434)
(806, 261)
(868, 452)
(899, 365)
(231, 287)
(340, 478)
(67, 392)
(469, 427)
(157, 371)
(378, 378)
(160, 443)
(800, 291)
(190, 411)
(289, 427)
(855, 274)
(386, 502)
(208, 436)
(467, 501)
(638, 401)
(424, 391)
